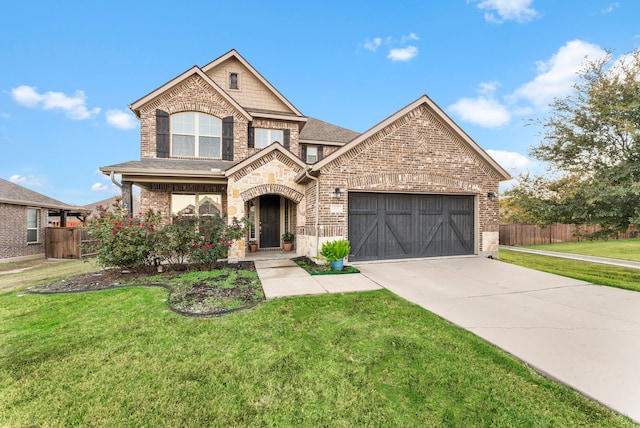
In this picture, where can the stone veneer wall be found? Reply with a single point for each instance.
(415, 154)
(13, 233)
(271, 174)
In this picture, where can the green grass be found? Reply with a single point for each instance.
(595, 273)
(120, 358)
(624, 249)
(44, 272)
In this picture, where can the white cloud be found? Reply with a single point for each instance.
(499, 11)
(26, 181)
(373, 45)
(411, 36)
(74, 106)
(403, 54)
(610, 8)
(121, 119)
(483, 110)
(557, 75)
(512, 161)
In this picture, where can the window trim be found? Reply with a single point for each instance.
(37, 226)
(196, 197)
(196, 135)
(310, 148)
(256, 131)
(237, 80)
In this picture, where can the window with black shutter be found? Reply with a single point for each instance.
(227, 138)
(162, 134)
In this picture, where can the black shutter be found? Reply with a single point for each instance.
(319, 153)
(251, 141)
(227, 138)
(287, 138)
(303, 152)
(162, 134)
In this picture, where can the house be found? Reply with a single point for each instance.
(413, 185)
(25, 216)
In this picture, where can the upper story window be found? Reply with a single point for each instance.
(33, 223)
(312, 154)
(234, 81)
(195, 135)
(264, 137)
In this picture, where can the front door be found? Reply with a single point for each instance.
(269, 221)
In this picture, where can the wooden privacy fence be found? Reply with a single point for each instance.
(531, 234)
(67, 243)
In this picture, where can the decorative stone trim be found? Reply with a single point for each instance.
(279, 189)
(264, 160)
(373, 181)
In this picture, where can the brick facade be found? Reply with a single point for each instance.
(13, 234)
(415, 154)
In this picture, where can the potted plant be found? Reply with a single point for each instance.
(287, 241)
(334, 252)
(253, 246)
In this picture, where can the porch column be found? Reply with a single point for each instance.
(235, 208)
(127, 197)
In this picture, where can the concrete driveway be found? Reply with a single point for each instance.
(583, 335)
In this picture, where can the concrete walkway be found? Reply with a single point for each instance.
(284, 278)
(594, 259)
(583, 335)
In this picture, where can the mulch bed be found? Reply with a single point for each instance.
(198, 300)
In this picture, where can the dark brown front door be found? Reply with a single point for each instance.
(269, 221)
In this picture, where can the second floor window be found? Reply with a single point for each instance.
(195, 135)
(264, 137)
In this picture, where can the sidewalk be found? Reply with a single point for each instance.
(593, 259)
(284, 278)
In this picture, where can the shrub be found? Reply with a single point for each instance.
(123, 241)
(335, 250)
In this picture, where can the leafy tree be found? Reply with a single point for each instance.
(591, 142)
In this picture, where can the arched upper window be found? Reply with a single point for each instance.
(196, 135)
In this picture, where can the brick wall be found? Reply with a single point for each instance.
(415, 154)
(13, 232)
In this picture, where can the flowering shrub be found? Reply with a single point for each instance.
(143, 241)
(123, 241)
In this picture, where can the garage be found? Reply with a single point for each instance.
(394, 226)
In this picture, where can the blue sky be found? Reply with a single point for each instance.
(70, 69)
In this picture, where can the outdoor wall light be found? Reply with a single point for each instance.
(492, 196)
(338, 192)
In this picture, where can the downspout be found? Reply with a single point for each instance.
(113, 179)
(306, 173)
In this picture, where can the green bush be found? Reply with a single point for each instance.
(140, 241)
(335, 250)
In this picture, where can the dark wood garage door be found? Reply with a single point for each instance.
(393, 226)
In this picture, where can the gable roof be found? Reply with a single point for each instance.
(11, 193)
(442, 116)
(195, 70)
(234, 54)
(322, 132)
(270, 148)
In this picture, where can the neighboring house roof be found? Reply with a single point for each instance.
(11, 193)
(233, 53)
(446, 120)
(322, 132)
(136, 105)
(108, 205)
(174, 167)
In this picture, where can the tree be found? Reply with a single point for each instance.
(591, 143)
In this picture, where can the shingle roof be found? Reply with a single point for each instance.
(169, 165)
(317, 130)
(108, 205)
(15, 194)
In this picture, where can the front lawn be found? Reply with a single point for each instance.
(624, 249)
(121, 358)
(595, 273)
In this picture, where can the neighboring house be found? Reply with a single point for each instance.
(25, 215)
(414, 185)
(108, 204)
